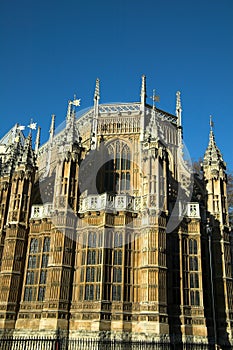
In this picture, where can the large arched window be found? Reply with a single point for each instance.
(114, 176)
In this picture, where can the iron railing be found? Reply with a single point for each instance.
(62, 343)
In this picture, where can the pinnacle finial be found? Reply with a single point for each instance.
(143, 90)
(52, 126)
(28, 155)
(178, 102)
(155, 98)
(37, 143)
(70, 112)
(211, 123)
(97, 89)
(178, 108)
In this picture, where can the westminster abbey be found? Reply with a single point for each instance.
(105, 229)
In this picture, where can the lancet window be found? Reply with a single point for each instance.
(90, 271)
(191, 272)
(115, 175)
(37, 266)
(117, 272)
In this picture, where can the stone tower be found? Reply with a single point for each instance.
(17, 179)
(214, 169)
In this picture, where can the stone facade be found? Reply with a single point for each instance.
(105, 229)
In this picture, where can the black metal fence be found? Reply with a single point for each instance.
(59, 343)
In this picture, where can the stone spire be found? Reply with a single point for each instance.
(96, 112)
(143, 91)
(52, 127)
(142, 107)
(37, 143)
(68, 114)
(213, 156)
(178, 109)
(14, 147)
(214, 172)
(28, 157)
(97, 90)
(179, 119)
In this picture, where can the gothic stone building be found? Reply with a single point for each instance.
(105, 229)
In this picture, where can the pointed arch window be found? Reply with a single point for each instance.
(115, 175)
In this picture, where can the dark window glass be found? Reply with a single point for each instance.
(32, 261)
(90, 274)
(34, 245)
(98, 274)
(43, 276)
(116, 292)
(91, 257)
(127, 184)
(46, 247)
(100, 257)
(97, 292)
(45, 259)
(41, 293)
(114, 176)
(30, 277)
(118, 239)
(194, 281)
(193, 264)
(185, 246)
(82, 275)
(117, 275)
(195, 298)
(89, 292)
(83, 257)
(92, 240)
(192, 246)
(100, 243)
(28, 294)
(117, 257)
(186, 297)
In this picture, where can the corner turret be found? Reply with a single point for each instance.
(216, 180)
(213, 159)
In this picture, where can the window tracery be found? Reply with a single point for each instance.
(115, 175)
(37, 269)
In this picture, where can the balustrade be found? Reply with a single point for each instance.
(109, 202)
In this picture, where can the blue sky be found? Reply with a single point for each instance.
(53, 49)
